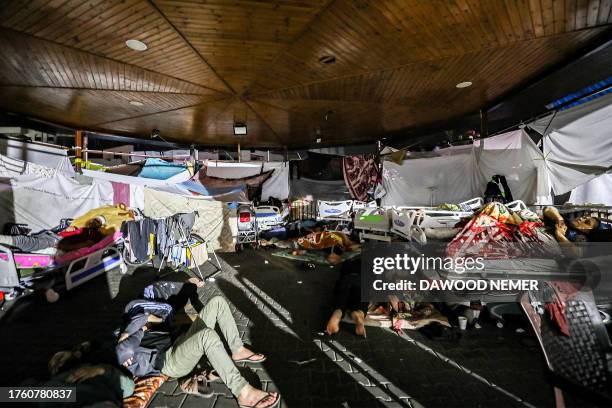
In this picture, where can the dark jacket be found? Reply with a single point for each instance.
(146, 349)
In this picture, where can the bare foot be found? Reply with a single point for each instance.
(333, 325)
(244, 354)
(252, 397)
(359, 319)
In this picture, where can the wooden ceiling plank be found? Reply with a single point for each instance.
(581, 14)
(18, 13)
(570, 15)
(559, 16)
(109, 16)
(604, 12)
(48, 21)
(593, 13)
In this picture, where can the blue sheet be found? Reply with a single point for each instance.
(160, 170)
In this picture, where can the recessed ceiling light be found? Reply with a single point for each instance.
(136, 45)
(136, 103)
(463, 84)
(327, 59)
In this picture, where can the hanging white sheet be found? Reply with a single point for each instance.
(580, 150)
(41, 202)
(11, 167)
(515, 156)
(459, 177)
(431, 181)
(139, 181)
(595, 191)
(276, 186)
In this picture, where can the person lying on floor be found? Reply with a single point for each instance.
(66, 240)
(334, 241)
(87, 368)
(347, 298)
(180, 357)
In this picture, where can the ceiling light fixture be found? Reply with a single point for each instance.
(240, 129)
(327, 59)
(463, 84)
(136, 45)
(136, 103)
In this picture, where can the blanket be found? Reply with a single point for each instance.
(144, 388)
(360, 175)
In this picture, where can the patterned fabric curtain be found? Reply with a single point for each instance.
(360, 175)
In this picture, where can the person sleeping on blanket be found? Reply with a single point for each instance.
(66, 240)
(178, 358)
(83, 231)
(335, 241)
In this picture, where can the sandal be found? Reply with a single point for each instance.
(249, 359)
(191, 385)
(256, 405)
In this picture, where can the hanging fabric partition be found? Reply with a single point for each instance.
(595, 191)
(41, 202)
(360, 175)
(432, 181)
(277, 185)
(11, 167)
(216, 222)
(580, 150)
(515, 156)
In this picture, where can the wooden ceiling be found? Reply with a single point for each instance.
(212, 63)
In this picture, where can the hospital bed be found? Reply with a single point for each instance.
(335, 211)
(268, 217)
(373, 223)
(22, 271)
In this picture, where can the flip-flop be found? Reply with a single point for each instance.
(275, 403)
(249, 360)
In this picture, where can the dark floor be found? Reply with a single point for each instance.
(280, 307)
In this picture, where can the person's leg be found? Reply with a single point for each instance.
(217, 311)
(186, 352)
(358, 308)
(340, 302)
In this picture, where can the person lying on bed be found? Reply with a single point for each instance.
(67, 240)
(347, 298)
(180, 357)
(578, 229)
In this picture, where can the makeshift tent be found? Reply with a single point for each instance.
(225, 194)
(579, 150)
(515, 156)
(458, 177)
(276, 186)
(160, 170)
(431, 181)
(595, 191)
(216, 222)
(41, 202)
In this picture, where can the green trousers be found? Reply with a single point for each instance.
(202, 340)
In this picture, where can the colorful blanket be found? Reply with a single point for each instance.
(144, 388)
(497, 233)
